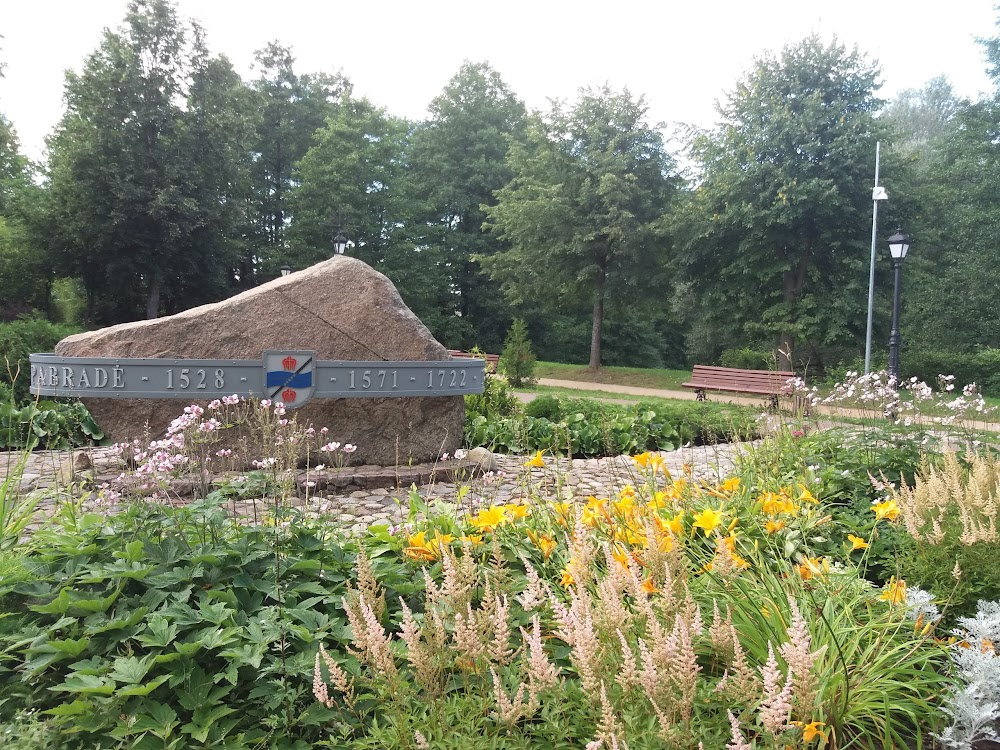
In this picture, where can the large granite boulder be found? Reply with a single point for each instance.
(340, 308)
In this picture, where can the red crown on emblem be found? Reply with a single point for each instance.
(288, 395)
(289, 363)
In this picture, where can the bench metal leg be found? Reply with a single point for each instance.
(774, 402)
(699, 395)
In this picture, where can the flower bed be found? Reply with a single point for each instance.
(675, 612)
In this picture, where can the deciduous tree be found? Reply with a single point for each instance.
(580, 216)
(457, 161)
(777, 232)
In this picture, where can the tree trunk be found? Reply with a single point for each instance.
(597, 329)
(153, 301)
(793, 280)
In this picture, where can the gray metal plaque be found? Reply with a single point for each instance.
(292, 377)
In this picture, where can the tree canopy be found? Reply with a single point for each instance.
(590, 184)
(170, 181)
(774, 232)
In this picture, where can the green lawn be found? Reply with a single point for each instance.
(635, 376)
(577, 393)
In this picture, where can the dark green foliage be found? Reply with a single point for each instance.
(517, 361)
(457, 161)
(547, 407)
(178, 623)
(20, 339)
(580, 215)
(981, 367)
(748, 359)
(292, 106)
(148, 169)
(931, 566)
(706, 423)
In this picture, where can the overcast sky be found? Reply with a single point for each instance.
(681, 55)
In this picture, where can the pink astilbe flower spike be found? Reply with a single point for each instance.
(738, 743)
(800, 660)
(776, 707)
(542, 673)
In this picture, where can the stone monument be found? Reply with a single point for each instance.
(341, 309)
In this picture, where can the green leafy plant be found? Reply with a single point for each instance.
(47, 424)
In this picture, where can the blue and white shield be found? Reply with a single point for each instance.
(289, 377)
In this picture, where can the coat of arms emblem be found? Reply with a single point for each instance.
(289, 376)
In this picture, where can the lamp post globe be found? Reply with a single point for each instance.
(899, 244)
(286, 269)
(339, 242)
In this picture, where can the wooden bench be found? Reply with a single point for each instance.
(728, 379)
(492, 360)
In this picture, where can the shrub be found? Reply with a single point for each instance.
(748, 359)
(981, 367)
(18, 340)
(547, 407)
(495, 402)
(517, 361)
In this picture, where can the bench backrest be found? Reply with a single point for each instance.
(729, 377)
(492, 360)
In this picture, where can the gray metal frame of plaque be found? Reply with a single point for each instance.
(292, 377)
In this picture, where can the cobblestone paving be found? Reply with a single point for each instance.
(50, 474)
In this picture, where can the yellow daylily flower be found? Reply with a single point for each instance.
(857, 542)
(621, 556)
(592, 516)
(658, 501)
(805, 496)
(517, 511)
(811, 730)
(625, 506)
(421, 548)
(886, 509)
(773, 527)
(895, 591)
(772, 504)
(642, 459)
(472, 539)
(707, 520)
(545, 543)
(649, 587)
(811, 567)
(489, 518)
(418, 548)
(536, 461)
(563, 511)
(673, 525)
(567, 578)
(730, 486)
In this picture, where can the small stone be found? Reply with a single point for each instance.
(483, 459)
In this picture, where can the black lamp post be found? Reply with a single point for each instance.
(286, 269)
(899, 243)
